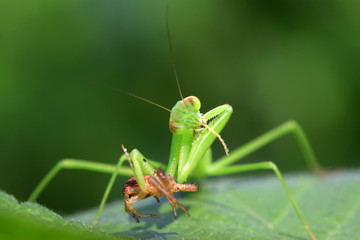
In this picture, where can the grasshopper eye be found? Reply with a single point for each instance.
(194, 102)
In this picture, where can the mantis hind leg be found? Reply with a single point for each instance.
(289, 127)
(223, 165)
(260, 166)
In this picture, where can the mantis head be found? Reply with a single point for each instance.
(186, 115)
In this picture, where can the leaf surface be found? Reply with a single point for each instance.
(30, 220)
(247, 208)
(224, 208)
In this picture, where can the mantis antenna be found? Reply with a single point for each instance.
(204, 123)
(171, 51)
(131, 94)
(135, 96)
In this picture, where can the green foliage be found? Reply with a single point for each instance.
(248, 208)
(224, 208)
(30, 220)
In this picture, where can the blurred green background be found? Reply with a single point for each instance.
(271, 60)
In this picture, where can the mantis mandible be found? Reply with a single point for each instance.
(190, 156)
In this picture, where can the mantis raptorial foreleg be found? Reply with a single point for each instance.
(194, 146)
(155, 183)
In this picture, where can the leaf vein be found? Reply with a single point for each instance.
(345, 221)
(299, 194)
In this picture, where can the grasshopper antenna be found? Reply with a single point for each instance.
(171, 51)
(130, 94)
(218, 136)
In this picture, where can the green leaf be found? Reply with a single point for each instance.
(247, 208)
(224, 208)
(32, 221)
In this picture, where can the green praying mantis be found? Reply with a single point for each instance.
(193, 134)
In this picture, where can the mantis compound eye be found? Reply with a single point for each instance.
(194, 102)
